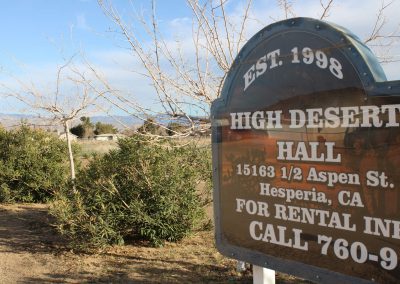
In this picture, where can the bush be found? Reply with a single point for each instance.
(84, 129)
(104, 128)
(33, 165)
(151, 126)
(175, 127)
(141, 190)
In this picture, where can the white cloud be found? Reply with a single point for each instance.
(180, 26)
(81, 22)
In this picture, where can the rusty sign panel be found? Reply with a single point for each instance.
(306, 156)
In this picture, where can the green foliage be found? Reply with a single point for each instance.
(86, 121)
(78, 130)
(154, 192)
(150, 126)
(33, 165)
(175, 127)
(104, 128)
(84, 129)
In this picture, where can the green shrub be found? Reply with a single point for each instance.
(151, 126)
(84, 129)
(105, 128)
(141, 190)
(5, 193)
(33, 165)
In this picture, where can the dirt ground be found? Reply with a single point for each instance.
(31, 251)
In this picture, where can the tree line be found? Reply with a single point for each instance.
(87, 129)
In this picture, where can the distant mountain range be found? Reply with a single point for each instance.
(119, 121)
(14, 120)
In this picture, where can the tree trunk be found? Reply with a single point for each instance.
(70, 154)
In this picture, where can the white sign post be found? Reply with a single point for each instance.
(262, 275)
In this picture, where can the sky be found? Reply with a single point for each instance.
(31, 29)
(36, 34)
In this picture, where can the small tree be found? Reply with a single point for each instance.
(175, 127)
(151, 126)
(104, 128)
(84, 129)
(73, 95)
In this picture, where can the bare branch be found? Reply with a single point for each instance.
(287, 7)
(188, 84)
(243, 25)
(326, 8)
(73, 95)
(379, 24)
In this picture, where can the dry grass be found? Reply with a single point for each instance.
(92, 146)
(89, 147)
(32, 252)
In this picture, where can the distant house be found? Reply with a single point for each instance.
(108, 137)
(63, 136)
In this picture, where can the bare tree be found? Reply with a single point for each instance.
(72, 96)
(379, 39)
(186, 85)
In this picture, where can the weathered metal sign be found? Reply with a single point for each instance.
(306, 155)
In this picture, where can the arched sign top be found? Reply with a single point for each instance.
(339, 36)
(305, 46)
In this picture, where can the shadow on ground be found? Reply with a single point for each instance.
(24, 229)
(26, 234)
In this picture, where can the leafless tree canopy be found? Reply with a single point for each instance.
(186, 85)
(186, 72)
(73, 94)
